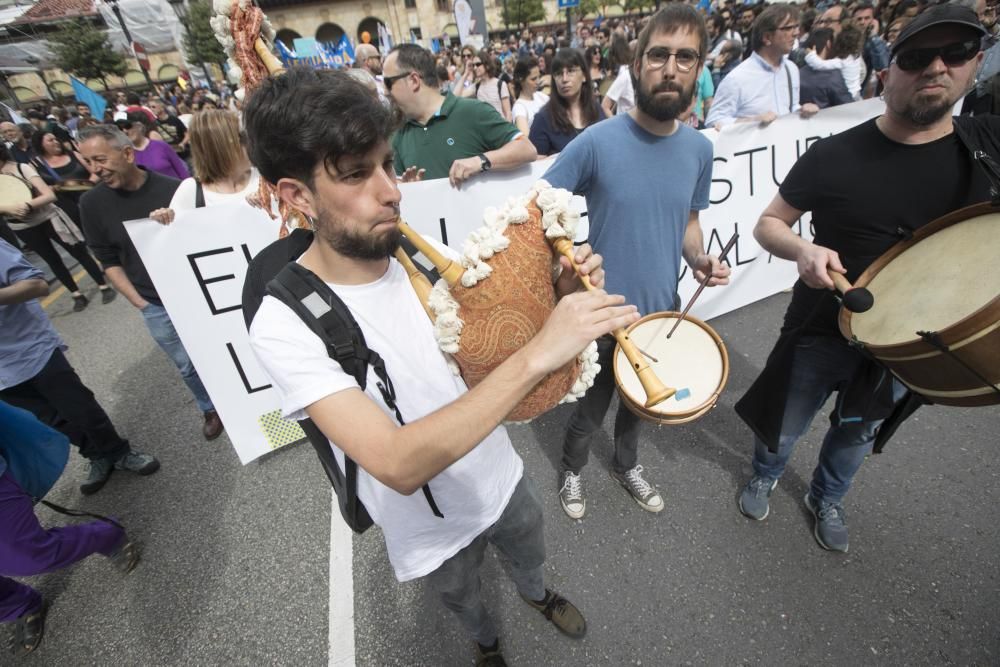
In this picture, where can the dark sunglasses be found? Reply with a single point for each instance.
(952, 55)
(477, 64)
(387, 81)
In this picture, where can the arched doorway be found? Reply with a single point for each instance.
(370, 25)
(329, 33)
(287, 37)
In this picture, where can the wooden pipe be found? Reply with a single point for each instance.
(449, 270)
(421, 285)
(656, 391)
(272, 64)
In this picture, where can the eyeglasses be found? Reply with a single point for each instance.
(466, 55)
(953, 55)
(685, 59)
(387, 81)
(477, 64)
(569, 71)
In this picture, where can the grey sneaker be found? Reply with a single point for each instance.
(755, 498)
(829, 527)
(641, 491)
(100, 471)
(126, 556)
(571, 495)
(137, 462)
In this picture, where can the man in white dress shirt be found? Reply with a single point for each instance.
(765, 85)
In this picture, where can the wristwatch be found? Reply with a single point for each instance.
(486, 164)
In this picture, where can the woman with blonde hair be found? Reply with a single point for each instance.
(222, 170)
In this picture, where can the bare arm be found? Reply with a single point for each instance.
(521, 122)
(405, 458)
(509, 156)
(45, 194)
(23, 290)
(701, 263)
(609, 106)
(774, 233)
(116, 275)
(505, 103)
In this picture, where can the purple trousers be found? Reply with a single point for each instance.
(27, 549)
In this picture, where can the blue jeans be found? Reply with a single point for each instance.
(820, 365)
(163, 332)
(518, 534)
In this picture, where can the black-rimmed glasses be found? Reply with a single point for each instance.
(685, 59)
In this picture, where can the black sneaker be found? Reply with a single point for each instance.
(27, 632)
(489, 656)
(97, 477)
(79, 303)
(126, 557)
(829, 524)
(108, 295)
(563, 614)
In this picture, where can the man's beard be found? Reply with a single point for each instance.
(923, 113)
(666, 108)
(355, 244)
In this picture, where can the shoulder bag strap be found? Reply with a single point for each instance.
(980, 157)
(791, 96)
(199, 194)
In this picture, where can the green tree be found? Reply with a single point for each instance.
(522, 12)
(199, 39)
(638, 5)
(83, 50)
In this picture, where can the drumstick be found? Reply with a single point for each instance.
(856, 299)
(704, 282)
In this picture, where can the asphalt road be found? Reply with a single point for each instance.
(236, 568)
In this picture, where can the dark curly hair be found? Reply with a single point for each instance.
(307, 117)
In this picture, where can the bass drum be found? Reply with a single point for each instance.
(693, 360)
(14, 190)
(940, 288)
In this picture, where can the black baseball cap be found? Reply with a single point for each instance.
(939, 15)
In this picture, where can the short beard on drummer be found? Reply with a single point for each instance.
(353, 243)
(663, 108)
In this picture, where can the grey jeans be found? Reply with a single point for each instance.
(518, 535)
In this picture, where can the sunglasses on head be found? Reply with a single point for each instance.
(957, 53)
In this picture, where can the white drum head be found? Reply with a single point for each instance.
(13, 190)
(933, 284)
(690, 359)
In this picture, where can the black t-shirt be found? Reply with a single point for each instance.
(549, 139)
(863, 188)
(103, 211)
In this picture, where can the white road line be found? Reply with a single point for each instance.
(341, 589)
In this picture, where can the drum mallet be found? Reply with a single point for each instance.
(704, 282)
(856, 299)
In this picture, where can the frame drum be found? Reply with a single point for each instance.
(944, 280)
(14, 190)
(694, 361)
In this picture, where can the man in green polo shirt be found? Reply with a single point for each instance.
(444, 135)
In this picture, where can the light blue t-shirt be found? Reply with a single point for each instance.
(640, 189)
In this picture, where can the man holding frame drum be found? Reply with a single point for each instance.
(643, 236)
(867, 188)
(322, 138)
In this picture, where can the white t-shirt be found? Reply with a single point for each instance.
(184, 196)
(621, 92)
(527, 109)
(471, 493)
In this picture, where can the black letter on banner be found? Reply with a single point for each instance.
(774, 166)
(750, 152)
(243, 375)
(740, 262)
(721, 180)
(205, 282)
(246, 252)
(444, 232)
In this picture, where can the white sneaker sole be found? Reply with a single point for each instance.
(751, 516)
(574, 514)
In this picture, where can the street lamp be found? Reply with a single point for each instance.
(34, 62)
(128, 37)
(180, 9)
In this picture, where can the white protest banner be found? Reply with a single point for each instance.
(199, 262)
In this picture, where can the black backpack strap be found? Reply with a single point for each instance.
(330, 319)
(980, 157)
(199, 194)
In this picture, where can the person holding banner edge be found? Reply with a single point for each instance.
(323, 139)
(644, 237)
(867, 188)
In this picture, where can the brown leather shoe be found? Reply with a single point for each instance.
(562, 613)
(212, 427)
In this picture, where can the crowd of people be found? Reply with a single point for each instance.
(609, 101)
